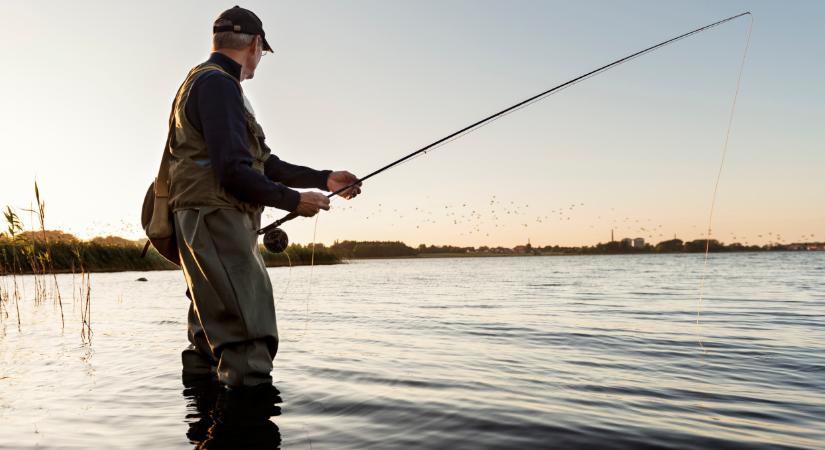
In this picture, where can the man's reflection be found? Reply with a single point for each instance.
(235, 419)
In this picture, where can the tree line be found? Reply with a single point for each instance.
(350, 249)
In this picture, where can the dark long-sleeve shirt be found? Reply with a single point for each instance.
(216, 109)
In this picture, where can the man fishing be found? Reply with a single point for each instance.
(222, 174)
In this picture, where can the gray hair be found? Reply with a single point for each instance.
(230, 39)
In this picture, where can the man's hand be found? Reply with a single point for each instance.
(340, 179)
(311, 203)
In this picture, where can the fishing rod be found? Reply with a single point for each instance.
(276, 240)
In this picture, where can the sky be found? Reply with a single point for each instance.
(87, 85)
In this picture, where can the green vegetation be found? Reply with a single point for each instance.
(31, 252)
(669, 246)
(300, 255)
(396, 249)
(44, 253)
(371, 249)
(69, 254)
(47, 252)
(115, 254)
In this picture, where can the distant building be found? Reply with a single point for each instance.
(809, 246)
(639, 243)
(522, 249)
(627, 242)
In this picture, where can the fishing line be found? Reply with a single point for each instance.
(276, 240)
(716, 184)
(309, 284)
(288, 279)
(272, 234)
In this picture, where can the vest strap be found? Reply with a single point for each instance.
(162, 180)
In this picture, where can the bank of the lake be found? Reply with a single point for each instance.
(32, 252)
(120, 255)
(398, 249)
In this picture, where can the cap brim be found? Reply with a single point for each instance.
(266, 45)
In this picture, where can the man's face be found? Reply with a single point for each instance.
(254, 56)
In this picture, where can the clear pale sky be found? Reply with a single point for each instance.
(87, 86)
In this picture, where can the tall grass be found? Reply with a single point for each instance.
(84, 297)
(18, 246)
(44, 253)
(113, 254)
(99, 255)
(15, 227)
(45, 257)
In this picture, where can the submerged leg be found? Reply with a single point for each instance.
(231, 292)
(198, 360)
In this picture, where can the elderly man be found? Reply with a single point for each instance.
(221, 175)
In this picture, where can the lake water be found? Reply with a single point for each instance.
(533, 352)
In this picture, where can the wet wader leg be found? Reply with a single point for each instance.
(231, 291)
(197, 359)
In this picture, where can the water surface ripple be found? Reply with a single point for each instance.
(534, 352)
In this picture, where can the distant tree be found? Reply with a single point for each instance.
(442, 249)
(114, 241)
(52, 236)
(372, 249)
(737, 247)
(608, 248)
(699, 245)
(673, 245)
(343, 249)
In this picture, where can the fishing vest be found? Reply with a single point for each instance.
(192, 180)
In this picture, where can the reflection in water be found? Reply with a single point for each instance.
(224, 419)
(473, 353)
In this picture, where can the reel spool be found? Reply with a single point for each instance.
(276, 240)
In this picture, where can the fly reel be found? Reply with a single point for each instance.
(276, 240)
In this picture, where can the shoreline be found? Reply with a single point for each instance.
(555, 254)
(67, 257)
(299, 262)
(156, 269)
(31, 256)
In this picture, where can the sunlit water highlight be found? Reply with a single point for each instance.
(532, 352)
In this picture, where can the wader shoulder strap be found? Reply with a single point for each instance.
(162, 180)
(156, 217)
(161, 184)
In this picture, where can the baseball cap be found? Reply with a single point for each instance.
(241, 21)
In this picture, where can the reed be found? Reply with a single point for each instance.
(30, 255)
(28, 252)
(4, 291)
(84, 297)
(46, 256)
(14, 227)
